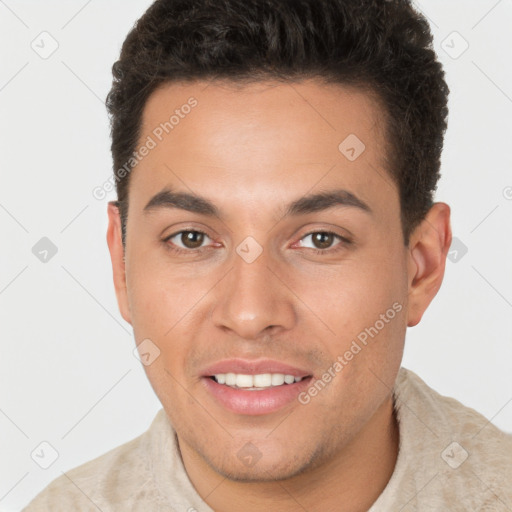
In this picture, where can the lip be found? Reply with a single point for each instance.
(265, 401)
(253, 367)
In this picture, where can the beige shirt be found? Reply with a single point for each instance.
(450, 459)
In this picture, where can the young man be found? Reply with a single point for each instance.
(274, 236)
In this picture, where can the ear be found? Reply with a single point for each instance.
(428, 248)
(115, 246)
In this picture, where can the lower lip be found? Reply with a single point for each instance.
(265, 401)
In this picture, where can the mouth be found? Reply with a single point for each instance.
(254, 386)
(256, 382)
(258, 394)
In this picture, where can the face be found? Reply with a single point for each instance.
(255, 276)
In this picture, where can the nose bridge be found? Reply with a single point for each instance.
(252, 298)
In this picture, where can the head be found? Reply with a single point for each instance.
(282, 206)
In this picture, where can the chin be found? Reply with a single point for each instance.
(259, 473)
(263, 467)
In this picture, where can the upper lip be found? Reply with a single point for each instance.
(253, 367)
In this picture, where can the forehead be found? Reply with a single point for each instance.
(240, 143)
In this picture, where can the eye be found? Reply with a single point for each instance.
(191, 241)
(186, 240)
(322, 241)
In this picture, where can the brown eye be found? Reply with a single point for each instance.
(187, 240)
(322, 240)
(192, 239)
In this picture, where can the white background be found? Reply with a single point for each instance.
(67, 372)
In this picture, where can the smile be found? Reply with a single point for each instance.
(255, 394)
(255, 382)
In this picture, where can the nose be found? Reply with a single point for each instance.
(252, 301)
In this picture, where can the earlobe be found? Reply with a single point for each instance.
(428, 248)
(117, 256)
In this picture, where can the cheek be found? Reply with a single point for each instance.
(358, 310)
(161, 293)
(167, 306)
(353, 294)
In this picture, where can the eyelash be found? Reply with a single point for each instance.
(321, 252)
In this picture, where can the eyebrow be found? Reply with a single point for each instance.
(194, 203)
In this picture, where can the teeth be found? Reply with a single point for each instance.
(244, 381)
(260, 381)
(230, 379)
(277, 379)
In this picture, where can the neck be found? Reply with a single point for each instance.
(355, 476)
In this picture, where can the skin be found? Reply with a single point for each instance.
(251, 150)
